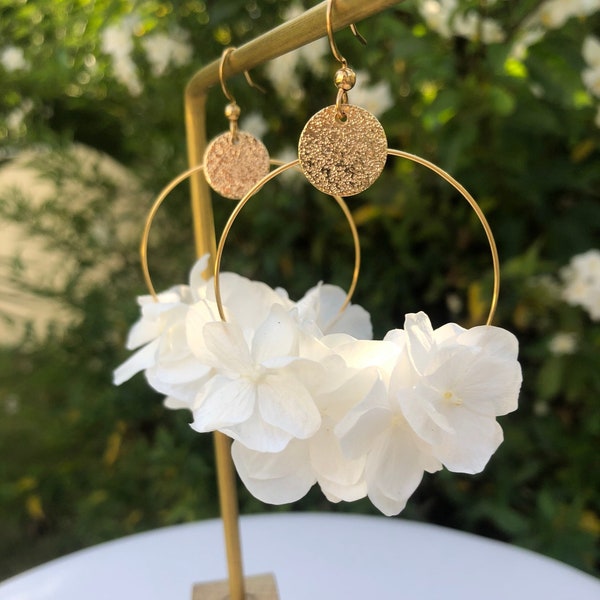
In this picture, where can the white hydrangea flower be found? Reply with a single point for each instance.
(395, 457)
(12, 58)
(163, 50)
(458, 382)
(309, 398)
(581, 278)
(160, 337)
(286, 476)
(258, 395)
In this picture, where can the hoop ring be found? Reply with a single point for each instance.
(183, 176)
(391, 152)
(240, 205)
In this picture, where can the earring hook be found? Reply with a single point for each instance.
(332, 44)
(249, 79)
(232, 110)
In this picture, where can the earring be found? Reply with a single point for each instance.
(235, 160)
(342, 148)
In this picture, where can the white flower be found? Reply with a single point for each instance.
(258, 394)
(287, 476)
(375, 98)
(395, 457)
(591, 75)
(444, 17)
(555, 13)
(459, 381)
(437, 15)
(563, 343)
(12, 58)
(163, 50)
(117, 39)
(582, 282)
(117, 42)
(126, 73)
(322, 304)
(591, 51)
(473, 27)
(308, 401)
(164, 353)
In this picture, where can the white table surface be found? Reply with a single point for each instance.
(313, 556)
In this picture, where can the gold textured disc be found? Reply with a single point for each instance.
(342, 157)
(233, 167)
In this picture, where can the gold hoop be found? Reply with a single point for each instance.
(390, 151)
(240, 205)
(183, 176)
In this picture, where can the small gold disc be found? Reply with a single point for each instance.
(233, 167)
(342, 157)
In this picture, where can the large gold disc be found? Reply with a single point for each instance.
(342, 157)
(232, 167)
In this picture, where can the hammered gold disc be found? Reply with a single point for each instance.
(233, 167)
(342, 157)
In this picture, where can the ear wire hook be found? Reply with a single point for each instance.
(332, 44)
(232, 110)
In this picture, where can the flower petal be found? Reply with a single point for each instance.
(276, 478)
(223, 402)
(285, 403)
(140, 360)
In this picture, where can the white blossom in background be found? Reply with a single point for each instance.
(581, 282)
(375, 98)
(163, 50)
(445, 18)
(12, 58)
(591, 75)
(562, 343)
(553, 14)
(283, 72)
(16, 117)
(117, 42)
(255, 124)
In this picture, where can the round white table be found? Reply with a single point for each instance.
(313, 556)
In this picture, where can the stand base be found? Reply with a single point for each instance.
(258, 587)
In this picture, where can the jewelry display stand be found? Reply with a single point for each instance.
(297, 32)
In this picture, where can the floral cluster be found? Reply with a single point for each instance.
(581, 279)
(161, 51)
(448, 19)
(309, 397)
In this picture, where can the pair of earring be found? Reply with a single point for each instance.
(342, 149)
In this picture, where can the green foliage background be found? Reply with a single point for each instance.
(83, 461)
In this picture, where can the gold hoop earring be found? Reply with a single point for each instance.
(342, 148)
(185, 175)
(391, 152)
(234, 160)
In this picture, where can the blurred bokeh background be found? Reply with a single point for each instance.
(504, 95)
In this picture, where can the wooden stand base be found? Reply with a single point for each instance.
(258, 587)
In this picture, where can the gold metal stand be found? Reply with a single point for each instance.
(298, 32)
